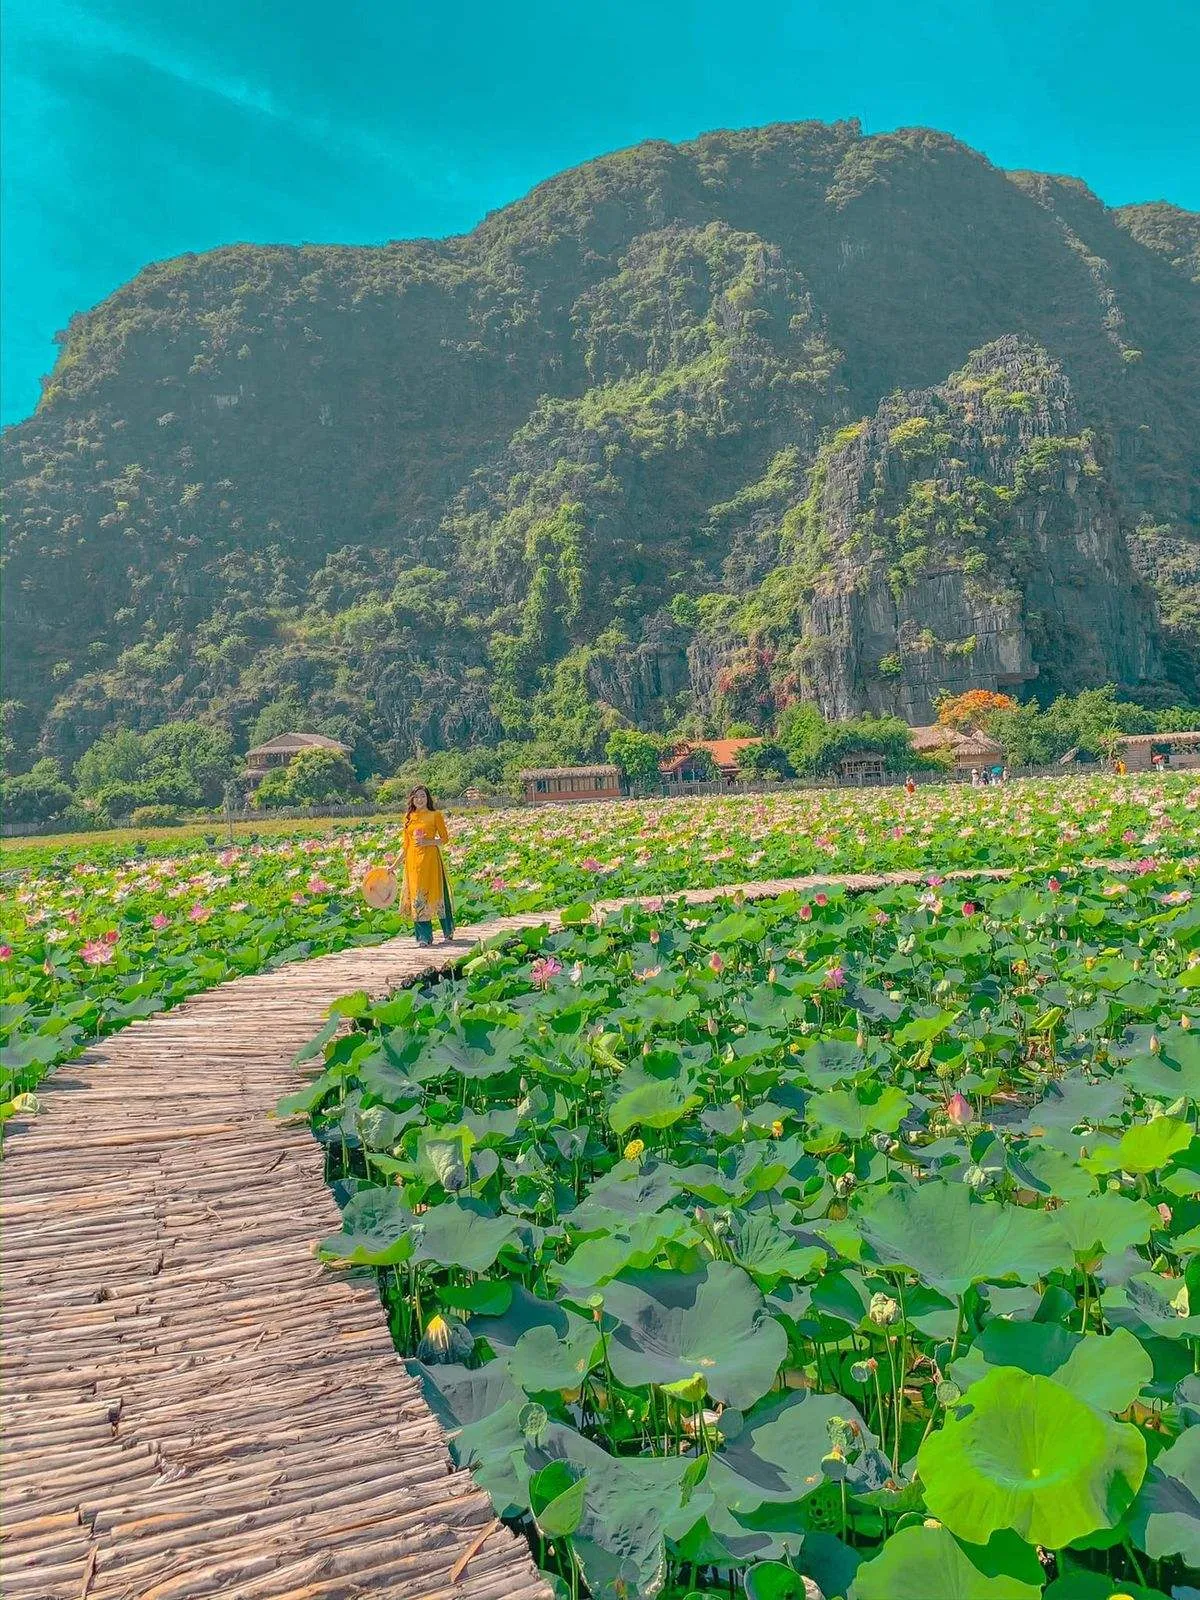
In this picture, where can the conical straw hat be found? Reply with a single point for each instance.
(379, 888)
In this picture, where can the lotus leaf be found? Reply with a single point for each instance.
(1022, 1452)
(1166, 1516)
(672, 1326)
(952, 1240)
(924, 1563)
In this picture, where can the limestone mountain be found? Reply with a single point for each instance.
(789, 411)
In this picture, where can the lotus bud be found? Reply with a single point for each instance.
(838, 1210)
(772, 975)
(958, 1109)
(716, 962)
(635, 1149)
(1165, 1213)
(445, 1340)
(1185, 1022)
(860, 1039)
(1155, 1045)
(711, 1025)
(883, 1310)
(844, 1183)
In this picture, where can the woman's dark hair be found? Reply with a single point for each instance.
(412, 798)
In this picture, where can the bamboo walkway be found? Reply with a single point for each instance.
(192, 1405)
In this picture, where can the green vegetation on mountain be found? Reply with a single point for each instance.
(688, 434)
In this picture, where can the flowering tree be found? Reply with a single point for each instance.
(972, 709)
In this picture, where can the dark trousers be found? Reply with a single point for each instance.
(424, 930)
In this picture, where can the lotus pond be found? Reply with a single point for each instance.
(93, 939)
(843, 1245)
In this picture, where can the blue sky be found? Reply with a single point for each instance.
(136, 129)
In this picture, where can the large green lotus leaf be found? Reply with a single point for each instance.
(952, 1240)
(1068, 1103)
(859, 1112)
(543, 1360)
(929, 1564)
(830, 1061)
(1145, 1147)
(770, 1252)
(1108, 1372)
(1024, 1453)
(777, 1455)
(1166, 1515)
(655, 1104)
(1101, 1224)
(672, 1326)
(623, 1193)
(638, 1244)
(481, 1411)
(632, 1506)
(377, 1231)
(457, 1234)
(1158, 1077)
(523, 1312)
(1050, 1171)
(1148, 1303)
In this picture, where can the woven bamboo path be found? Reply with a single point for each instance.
(191, 1404)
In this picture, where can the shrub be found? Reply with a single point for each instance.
(154, 816)
(637, 754)
(311, 778)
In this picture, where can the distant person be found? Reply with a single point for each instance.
(975, 780)
(426, 892)
(1119, 767)
(910, 784)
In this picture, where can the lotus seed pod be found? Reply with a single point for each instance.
(635, 1149)
(860, 1371)
(881, 1142)
(977, 1178)
(883, 1310)
(834, 1466)
(948, 1392)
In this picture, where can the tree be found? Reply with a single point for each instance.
(637, 754)
(972, 709)
(767, 759)
(39, 795)
(183, 759)
(311, 777)
(116, 757)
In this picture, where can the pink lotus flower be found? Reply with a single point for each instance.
(958, 1109)
(544, 969)
(111, 937)
(806, 913)
(95, 953)
(716, 962)
(317, 885)
(1129, 837)
(835, 978)
(159, 920)
(1054, 885)
(200, 913)
(5, 952)
(653, 906)
(590, 864)
(498, 884)
(1166, 1214)
(968, 908)
(655, 936)
(647, 973)
(821, 899)
(934, 881)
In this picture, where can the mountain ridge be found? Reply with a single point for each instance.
(443, 491)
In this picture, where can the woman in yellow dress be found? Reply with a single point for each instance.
(426, 893)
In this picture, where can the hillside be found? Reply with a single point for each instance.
(785, 412)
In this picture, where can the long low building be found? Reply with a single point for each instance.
(544, 786)
(1175, 750)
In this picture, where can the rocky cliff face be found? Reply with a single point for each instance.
(447, 490)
